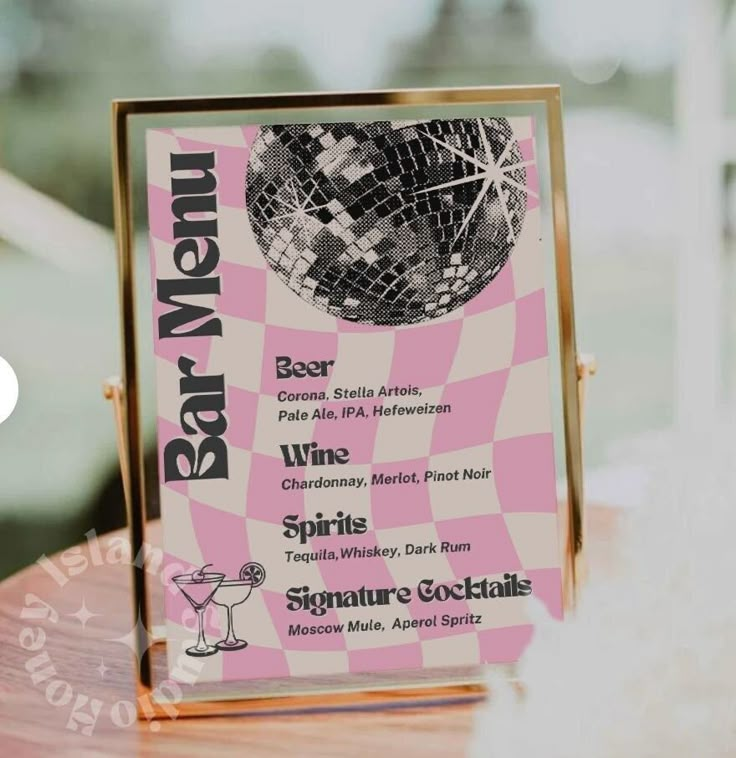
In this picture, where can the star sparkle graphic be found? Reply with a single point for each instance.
(298, 206)
(83, 615)
(493, 174)
(137, 634)
(102, 669)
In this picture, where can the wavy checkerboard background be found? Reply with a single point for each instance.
(488, 359)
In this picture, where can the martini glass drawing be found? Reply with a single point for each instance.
(232, 592)
(198, 588)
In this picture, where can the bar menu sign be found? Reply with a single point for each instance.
(356, 459)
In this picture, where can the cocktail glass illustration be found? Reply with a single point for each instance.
(232, 592)
(198, 588)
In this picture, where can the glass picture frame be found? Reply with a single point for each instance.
(132, 392)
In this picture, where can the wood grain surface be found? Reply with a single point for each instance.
(51, 663)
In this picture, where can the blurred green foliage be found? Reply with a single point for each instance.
(65, 60)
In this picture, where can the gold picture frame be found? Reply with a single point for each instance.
(124, 391)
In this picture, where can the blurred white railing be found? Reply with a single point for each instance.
(36, 224)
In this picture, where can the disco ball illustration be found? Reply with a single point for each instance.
(387, 223)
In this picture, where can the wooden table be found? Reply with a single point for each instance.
(46, 632)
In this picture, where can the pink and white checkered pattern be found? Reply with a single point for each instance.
(488, 360)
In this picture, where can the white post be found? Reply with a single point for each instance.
(699, 115)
